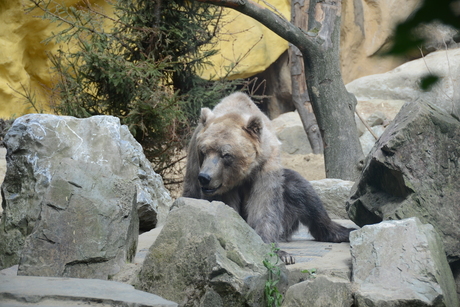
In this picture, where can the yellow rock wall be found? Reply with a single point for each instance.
(24, 61)
(247, 43)
(22, 56)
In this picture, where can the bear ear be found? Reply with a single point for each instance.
(206, 115)
(254, 126)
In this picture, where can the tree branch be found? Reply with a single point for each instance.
(279, 25)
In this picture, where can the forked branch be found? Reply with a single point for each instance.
(279, 25)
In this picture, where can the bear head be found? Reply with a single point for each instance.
(229, 149)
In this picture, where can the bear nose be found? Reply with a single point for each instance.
(204, 179)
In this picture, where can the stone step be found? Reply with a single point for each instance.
(332, 259)
(55, 291)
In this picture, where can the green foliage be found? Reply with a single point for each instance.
(311, 272)
(29, 98)
(272, 295)
(428, 81)
(407, 39)
(139, 65)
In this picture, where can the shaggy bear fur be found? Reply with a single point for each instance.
(234, 157)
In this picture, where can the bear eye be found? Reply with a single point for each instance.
(228, 158)
(201, 154)
(202, 151)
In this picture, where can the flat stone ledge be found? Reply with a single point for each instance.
(331, 259)
(55, 291)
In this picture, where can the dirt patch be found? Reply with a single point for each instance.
(310, 166)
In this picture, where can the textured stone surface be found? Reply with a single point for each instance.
(334, 193)
(413, 170)
(318, 292)
(367, 140)
(206, 255)
(401, 263)
(403, 82)
(390, 108)
(290, 132)
(16, 291)
(72, 193)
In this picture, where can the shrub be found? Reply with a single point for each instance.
(139, 65)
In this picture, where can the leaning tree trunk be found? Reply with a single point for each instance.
(334, 107)
(300, 99)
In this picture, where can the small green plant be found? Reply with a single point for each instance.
(272, 295)
(29, 98)
(311, 272)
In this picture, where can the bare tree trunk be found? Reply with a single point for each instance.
(334, 107)
(299, 18)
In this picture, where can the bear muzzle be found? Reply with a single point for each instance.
(205, 180)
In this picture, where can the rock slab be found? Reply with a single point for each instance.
(401, 263)
(318, 292)
(290, 131)
(334, 194)
(403, 82)
(16, 291)
(413, 170)
(72, 194)
(206, 255)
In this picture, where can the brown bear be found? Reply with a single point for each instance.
(234, 157)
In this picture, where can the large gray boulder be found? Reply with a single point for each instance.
(71, 196)
(401, 263)
(208, 256)
(403, 82)
(90, 233)
(413, 170)
(290, 131)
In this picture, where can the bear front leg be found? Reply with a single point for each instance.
(265, 210)
(286, 257)
(265, 206)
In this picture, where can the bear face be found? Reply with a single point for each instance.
(228, 150)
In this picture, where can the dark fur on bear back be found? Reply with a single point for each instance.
(236, 139)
